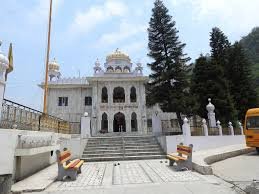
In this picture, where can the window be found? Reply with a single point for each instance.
(118, 95)
(133, 96)
(88, 101)
(104, 95)
(62, 101)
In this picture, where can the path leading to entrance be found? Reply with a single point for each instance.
(149, 176)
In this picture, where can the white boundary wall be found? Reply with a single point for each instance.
(26, 152)
(169, 143)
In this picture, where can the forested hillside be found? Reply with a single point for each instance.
(251, 46)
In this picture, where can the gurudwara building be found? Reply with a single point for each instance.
(114, 97)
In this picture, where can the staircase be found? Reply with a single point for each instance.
(122, 148)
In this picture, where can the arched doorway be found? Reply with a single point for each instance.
(134, 123)
(119, 124)
(104, 124)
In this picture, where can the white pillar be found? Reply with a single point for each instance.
(211, 115)
(231, 128)
(219, 127)
(186, 131)
(156, 124)
(85, 126)
(4, 63)
(241, 128)
(186, 128)
(205, 127)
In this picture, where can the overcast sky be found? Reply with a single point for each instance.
(85, 30)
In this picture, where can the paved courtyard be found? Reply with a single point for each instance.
(143, 176)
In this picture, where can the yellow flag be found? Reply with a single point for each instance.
(10, 58)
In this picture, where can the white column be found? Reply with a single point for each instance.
(156, 124)
(4, 62)
(85, 126)
(241, 128)
(219, 127)
(186, 131)
(231, 128)
(205, 127)
(128, 122)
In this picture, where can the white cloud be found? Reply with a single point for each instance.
(134, 47)
(40, 12)
(234, 15)
(85, 21)
(125, 31)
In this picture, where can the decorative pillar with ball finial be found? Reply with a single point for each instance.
(211, 115)
(4, 63)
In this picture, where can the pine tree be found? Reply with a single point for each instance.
(240, 80)
(209, 80)
(168, 78)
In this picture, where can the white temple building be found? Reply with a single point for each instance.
(114, 97)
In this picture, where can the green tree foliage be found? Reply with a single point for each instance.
(240, 80)
(209, 80)
(168, 78)
(250, 44)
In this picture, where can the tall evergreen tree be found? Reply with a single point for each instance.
(209, 80)
(219, 48)
(240, 80)
(168, 78)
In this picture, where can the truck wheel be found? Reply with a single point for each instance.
(257, 149)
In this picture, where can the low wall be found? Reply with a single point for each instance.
(199, 142)
(26, 152)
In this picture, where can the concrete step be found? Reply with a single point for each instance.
(142, 147)
(101, 158)
(103, 144)
(146, 153)
(103, 148)
(103, 155)
(118, 150)
(139, 144)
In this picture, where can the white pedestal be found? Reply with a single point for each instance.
(85, 127)
(156, 124)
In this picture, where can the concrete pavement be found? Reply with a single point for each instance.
(142, 176)
(240, 170)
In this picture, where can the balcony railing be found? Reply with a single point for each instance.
(17, 116)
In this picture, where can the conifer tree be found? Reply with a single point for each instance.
(240, 80)
(168, 77)
(209, 79)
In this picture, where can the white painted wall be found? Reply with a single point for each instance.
(203, 142)
(22, 166)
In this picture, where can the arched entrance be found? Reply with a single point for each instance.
(119, 124)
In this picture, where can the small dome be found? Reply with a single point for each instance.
(210, 107)
(117, 55)
(3, 59)
(53, 65)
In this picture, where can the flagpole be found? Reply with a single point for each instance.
(47, 62)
